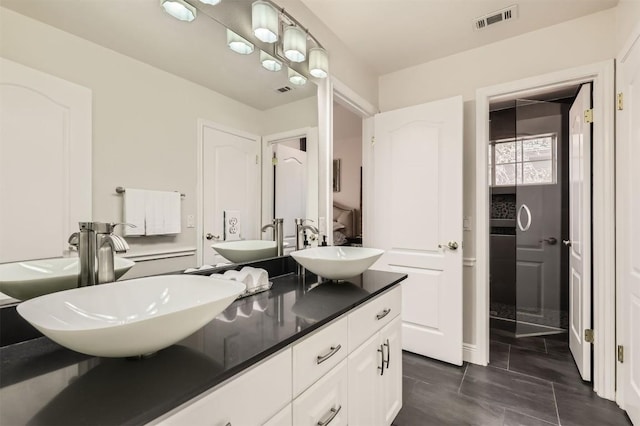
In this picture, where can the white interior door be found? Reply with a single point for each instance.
(579, 243)
(414, 211)
(290, 188)
(230, 182)
(628, 227)
(45, 162)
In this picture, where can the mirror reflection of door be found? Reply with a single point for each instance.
(290, 185)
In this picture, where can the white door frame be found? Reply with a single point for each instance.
(603, 260)
(200, 176)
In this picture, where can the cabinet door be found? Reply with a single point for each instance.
(283, 418)
(365, 381)
(324, 403)
(391, 387)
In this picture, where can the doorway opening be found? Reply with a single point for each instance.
(528, 162)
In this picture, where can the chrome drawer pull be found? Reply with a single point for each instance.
(332, 352)
(383, 314)
(332, 414)
(381, 368)
(388, 353)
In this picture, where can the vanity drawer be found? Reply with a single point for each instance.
(250, 399)
(373, 316)
(317, 354)
(324, 403)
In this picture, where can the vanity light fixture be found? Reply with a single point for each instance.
(210, 2)
(269, 62)
(318, 62)
(264, 21)
(294, 44)
(238, 44)
(179, 9)
(296, 78)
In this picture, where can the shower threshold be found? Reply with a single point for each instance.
(525, 329)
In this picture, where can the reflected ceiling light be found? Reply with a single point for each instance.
(238, 44)
(264, 21)
(269, 62)
(318, 62)
(296, 78)
(179, 9)
(211, 2)
(294, 44)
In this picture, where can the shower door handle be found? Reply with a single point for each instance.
(522, 208)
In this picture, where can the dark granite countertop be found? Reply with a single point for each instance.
(42, 383)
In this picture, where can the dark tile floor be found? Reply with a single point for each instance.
(531, 381)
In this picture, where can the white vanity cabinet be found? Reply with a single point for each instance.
(375, 377)
(249, 399)
(347, 372)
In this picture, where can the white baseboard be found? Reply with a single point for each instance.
(471, 354)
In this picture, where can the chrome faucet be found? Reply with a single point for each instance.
(278, 234)
(96, 244)
(301, 228)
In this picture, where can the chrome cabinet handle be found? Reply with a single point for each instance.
(332, 352)
(528, 225)
(381, 368)
(210, 236)
(332, 414)
(383, 314)
(567, 243)
(388, 352)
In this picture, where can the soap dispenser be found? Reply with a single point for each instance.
(324, 241)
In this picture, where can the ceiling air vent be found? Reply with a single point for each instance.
(283, 89)
(505, 14)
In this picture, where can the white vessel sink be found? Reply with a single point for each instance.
(33, 278)
(132, 317)
(246, 250)
(337, 262)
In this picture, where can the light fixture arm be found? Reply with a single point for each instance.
(294, 21)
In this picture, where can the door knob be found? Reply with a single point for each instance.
(210, 236)
(451, 245)
(566, 243)
(552, 241)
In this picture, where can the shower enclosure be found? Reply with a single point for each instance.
(529, 216)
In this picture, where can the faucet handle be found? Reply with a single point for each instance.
(111, 226)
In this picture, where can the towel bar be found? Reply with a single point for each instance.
(121, 190)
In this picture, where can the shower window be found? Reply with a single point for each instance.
(527, 160)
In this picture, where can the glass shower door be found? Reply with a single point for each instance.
(536, 173)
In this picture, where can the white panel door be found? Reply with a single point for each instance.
(45, 162)
(579, 243)
(290, 188)
(628, 226)
(231, 181)
(414, 212)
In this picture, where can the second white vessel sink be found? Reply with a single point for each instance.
(246, 250)
(33, 278)
(130, 318)
(337, 262)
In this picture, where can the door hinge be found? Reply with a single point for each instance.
(588, 116)
(588, 335)
(620, 101)
(620, 354)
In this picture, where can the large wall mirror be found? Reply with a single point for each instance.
(162, 94)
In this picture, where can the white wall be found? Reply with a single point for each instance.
(347, 146)
(627, 17)
(581, 41)
(144, 123)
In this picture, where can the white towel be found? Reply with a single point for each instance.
(171, 212)
(260, 277)
(134, 211)
(154, 215)
(241, 276)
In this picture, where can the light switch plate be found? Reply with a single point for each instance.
(191, 221)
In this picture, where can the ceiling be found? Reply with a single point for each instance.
(386, 34)
(196, 51)
(390, 35)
